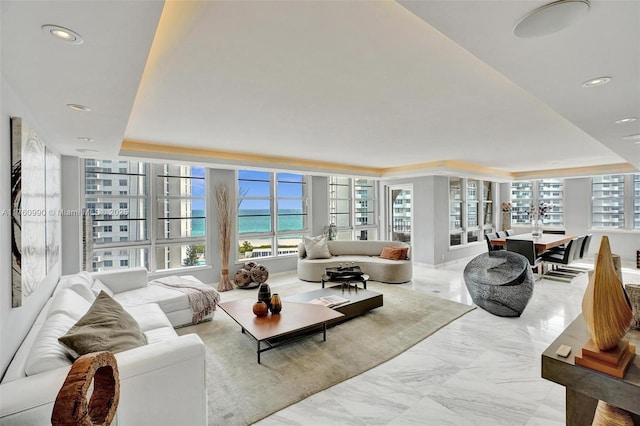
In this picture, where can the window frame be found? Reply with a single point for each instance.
(630, 199)
(147, 202)
(460, 214)
(274, 234)
(353, 230)
(521, 206)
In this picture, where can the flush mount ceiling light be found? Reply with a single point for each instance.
(86, 151)
(550, 18)
(78, 107)
(626, 120)
(62, 33)
(85, 139)
(596, 82)
(632, 137)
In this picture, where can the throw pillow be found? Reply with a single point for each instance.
(317, 248)
(105, 327)
(99, 286)
(394, 253)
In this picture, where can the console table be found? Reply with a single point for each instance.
(584, 387)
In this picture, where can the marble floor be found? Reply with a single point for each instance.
(479, 370)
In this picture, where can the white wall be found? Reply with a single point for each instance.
(15, 322)
(72, 236)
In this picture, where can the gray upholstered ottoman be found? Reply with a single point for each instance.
(500, 282)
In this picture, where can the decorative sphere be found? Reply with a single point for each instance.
(250, 265)
(242, 278)
(260, 309)
(259, 274)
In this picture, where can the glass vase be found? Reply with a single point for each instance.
(536, 228)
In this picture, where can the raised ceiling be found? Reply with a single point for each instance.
(380, 87)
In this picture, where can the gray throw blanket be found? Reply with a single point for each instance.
(202, 298)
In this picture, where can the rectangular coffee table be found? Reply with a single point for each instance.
(360, 300)
(294, 321)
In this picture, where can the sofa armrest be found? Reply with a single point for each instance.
(120, 280)
(169, 376)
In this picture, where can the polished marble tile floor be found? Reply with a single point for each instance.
(479, 370)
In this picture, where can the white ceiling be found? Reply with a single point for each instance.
(377, 84)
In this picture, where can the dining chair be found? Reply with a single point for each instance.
(578, 250)
(564, 257)
(502, 234)
(584, 250)
(510, 232)
(488, 237)
(526, 248)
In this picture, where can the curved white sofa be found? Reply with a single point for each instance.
(161, 383)
(365, 254)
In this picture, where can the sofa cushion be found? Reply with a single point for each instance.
(149, 316)
(394, 253)
(47, 353)
(80, 279)
(169, 299)
(105, 327)
(317, 248)
(99, 286)
(160, 334)
(84, 291)
(70, 303)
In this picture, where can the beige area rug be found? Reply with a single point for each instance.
(241, 391)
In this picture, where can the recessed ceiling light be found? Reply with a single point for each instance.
(78, 107)
(550, 18)
(62, 33)
(85, 139)
(632, 137)
(596, 82)
(86, 151)
(626, 120)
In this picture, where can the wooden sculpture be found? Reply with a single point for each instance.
(71, 406)
(226, 213)
(607, 313)
(605, 306)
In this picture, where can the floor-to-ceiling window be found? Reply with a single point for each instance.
(140, 214)
(542, 198)
(353, 208)
(615, 202)
(471, 210)
(272, 212)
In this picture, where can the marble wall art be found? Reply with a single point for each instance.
(53, 203)
(30, 240)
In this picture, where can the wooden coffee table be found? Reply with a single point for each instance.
(296, 320)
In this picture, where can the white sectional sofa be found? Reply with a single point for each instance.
(161, 383)
(365, 254)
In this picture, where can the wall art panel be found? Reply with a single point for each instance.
(29, 211)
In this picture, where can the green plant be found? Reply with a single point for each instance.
(192, 255)
(245, 247)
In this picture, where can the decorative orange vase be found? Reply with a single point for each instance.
(260, 309)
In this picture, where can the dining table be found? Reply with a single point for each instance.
(542, 243)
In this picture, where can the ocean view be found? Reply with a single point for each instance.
(254, 220)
